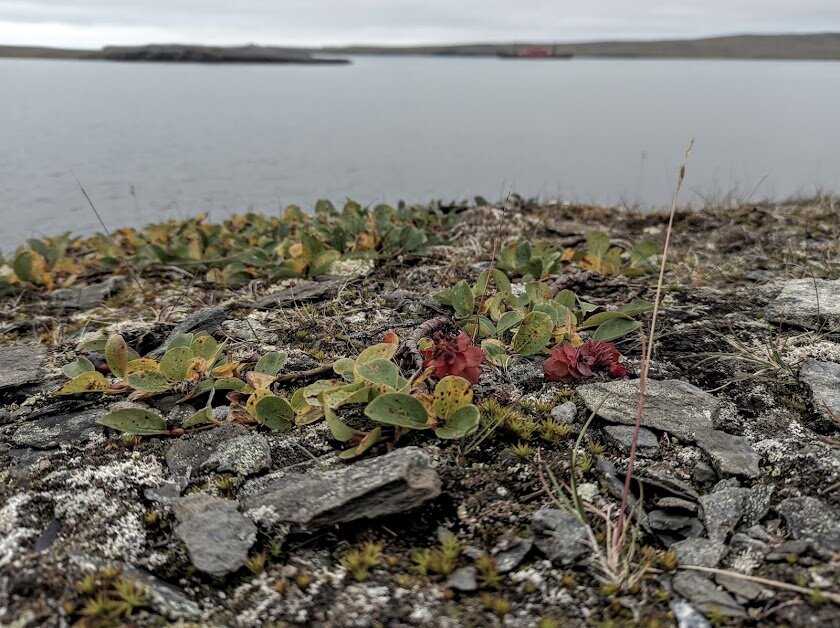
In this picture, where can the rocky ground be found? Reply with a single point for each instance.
(739, 468)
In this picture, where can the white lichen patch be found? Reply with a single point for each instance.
(13, 531)
(351, 267)
(99, 507)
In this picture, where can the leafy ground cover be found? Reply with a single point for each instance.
(260, 361)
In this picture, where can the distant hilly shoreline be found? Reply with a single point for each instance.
(814, 46)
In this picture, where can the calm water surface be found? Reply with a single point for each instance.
(152, 142)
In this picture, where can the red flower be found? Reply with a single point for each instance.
(569, 363)
(454, 355)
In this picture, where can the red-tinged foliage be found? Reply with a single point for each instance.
(454, 355)
(569, 363)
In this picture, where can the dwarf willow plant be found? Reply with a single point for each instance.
(193, 364)
(393, 404)
(544, 259)
(235, 251)
(526, 322)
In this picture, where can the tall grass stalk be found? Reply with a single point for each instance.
(620, 528)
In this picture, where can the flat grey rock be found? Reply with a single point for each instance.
(677, 503)
(560, 535)
(664, 521)
(463, 579)
(167, 599)
(705, 595)
(21, 365)
(756, 504)
(699, 552)
(216, 534)
(186, 455)
(739, 587)
(823, 378)
(565, 412)
(722, 510)
(88, 297)
(391, 484)
(671, 405)
(49, 432)
(678, 408)
(244, 455)
(687, 616)
(729, 454)
(807, 302)
(809, 519)
(512, 551)
(622, 436)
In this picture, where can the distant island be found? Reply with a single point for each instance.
(175, 53)
(815, 47)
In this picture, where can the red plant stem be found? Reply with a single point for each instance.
(646, 357)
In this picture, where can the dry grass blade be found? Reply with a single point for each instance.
(646, 356)
(108, 233)
(776, 584)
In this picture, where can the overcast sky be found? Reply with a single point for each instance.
(93, 23)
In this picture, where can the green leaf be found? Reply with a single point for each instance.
(340, 431)
(346, 368)
(382, 372)
(486, 328)
(116, 354)
(77, 367)
(271, 363)
(460, 424)
(615, 328)
(370, 439)
(495, 352)
(22, 265)
(135, 421)
(148, 381)
(274, 412)
(175, 362)
(383, 350)
(566, 298)
(451, 394)
(533, 334)
(501, 280)
(205, 346)
(202, 417)
(598, 243)
(398, 409)
(551, 310)
(91, 381)
(462, 299)
(181, 340)
(508, 320)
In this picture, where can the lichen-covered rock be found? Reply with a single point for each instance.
(722, 510)
(394, 483)
(50, 431)
(185, 456)
(244, 455)
(809, 519)
(21, 365)
(216, 534)
(678, 408)
(808, 302)
(622, 437)
(699, 552)
(705, 595)
(823, 378)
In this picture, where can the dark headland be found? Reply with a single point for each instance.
(814, 46)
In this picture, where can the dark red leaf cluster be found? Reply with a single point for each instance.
(568, 363)
(454, 355)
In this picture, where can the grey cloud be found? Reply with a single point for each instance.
(395, 21)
